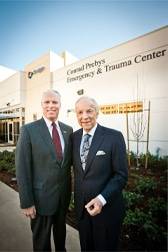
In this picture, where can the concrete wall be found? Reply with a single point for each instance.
(136, 70)
(133, 71)
(37, 80)
(12, 90)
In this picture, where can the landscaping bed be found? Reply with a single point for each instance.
(145, 224)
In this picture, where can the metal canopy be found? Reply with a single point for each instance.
(8, 116)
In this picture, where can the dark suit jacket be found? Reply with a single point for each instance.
(43, 181)
(105, 172)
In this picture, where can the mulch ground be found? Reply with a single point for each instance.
(9, 179)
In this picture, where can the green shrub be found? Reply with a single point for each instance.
(142, 223)
(146, 208)
(3, 165)
(135, 218)
(71, 205)
(7, 161)
(132, 198)
(157, 206)
(154, 161)
(146, 185)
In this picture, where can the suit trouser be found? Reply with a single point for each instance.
(41, 228)
(99, 233)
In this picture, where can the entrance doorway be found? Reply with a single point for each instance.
(10, 132)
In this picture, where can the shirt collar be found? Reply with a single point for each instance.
(49, 123)
(91, 132)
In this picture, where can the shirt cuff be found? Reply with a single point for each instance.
(102, 199)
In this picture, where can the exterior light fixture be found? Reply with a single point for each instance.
(80, 92)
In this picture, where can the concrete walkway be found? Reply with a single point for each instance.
(15, 233)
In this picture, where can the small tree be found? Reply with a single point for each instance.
(137, 129)
(138, 124)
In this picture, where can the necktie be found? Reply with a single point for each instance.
(56, 141)
(85, 150)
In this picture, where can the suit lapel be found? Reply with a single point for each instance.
(96, 141)
(77, 149)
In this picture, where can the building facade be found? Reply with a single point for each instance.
(129, 81)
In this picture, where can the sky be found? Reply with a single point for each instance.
(29, 29)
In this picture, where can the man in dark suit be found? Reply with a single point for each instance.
(43, 160)
(100, 174)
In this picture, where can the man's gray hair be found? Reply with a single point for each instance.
(89, 99)
(50, 92)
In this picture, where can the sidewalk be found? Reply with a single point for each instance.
(15, 233)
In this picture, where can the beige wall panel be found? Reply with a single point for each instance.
(36, 85)
(133, 70)
(11, 90)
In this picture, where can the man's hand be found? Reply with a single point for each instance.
(94, 206)
(30, 212)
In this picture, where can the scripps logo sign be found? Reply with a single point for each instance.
(35, 71)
